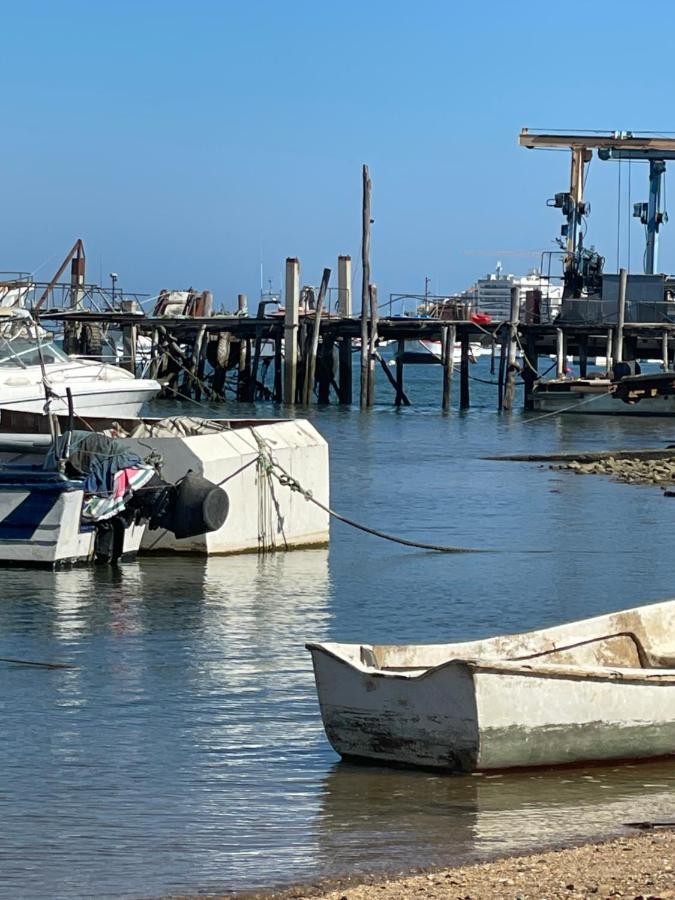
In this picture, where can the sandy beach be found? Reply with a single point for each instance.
(638, 866)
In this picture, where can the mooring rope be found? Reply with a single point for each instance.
(556, 412)
(274, 469)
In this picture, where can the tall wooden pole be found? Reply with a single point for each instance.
(291, 320)
(365, 284)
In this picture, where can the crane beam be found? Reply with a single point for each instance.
(611, 139)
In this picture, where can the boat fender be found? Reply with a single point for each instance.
(200, 506)
(625, 368)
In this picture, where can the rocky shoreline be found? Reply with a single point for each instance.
(637, 866)
(628, 470)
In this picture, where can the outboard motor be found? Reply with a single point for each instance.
(192, 507)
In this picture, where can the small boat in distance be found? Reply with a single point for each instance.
(595, 690)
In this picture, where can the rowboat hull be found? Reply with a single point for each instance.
(480, 714)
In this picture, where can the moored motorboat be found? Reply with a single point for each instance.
(92, 498)
(30, 363)
(241, 454)
(597, 689)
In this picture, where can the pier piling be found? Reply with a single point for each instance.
(365, 284)
(344, 306)
(620, 317)
(464, 399)
(447, 358)
(291, 320)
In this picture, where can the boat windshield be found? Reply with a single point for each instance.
(23, 352)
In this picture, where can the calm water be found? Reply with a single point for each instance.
(185, 751)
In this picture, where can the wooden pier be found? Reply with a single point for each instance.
(299, 359)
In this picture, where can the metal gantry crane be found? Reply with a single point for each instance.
(615, 145)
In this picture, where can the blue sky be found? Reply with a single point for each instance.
(182, 140)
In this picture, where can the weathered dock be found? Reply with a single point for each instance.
(297, 358)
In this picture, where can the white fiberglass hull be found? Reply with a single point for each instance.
(40, 524)
(479, 713)
(96, 388)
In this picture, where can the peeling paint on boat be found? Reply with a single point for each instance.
(599, 689)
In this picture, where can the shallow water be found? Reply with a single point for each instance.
(185, 750)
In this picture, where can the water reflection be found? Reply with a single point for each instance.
(185, 751)
(373, 818)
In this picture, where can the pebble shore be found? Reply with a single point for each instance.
(638, 866)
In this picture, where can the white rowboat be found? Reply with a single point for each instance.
(598, 689)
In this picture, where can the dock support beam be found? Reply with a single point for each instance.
(513, 339)
(560, 353)
(582, 342)
(609, 346)
(344, 308)
(464, 400)
(665, 354)
(620, 317)
(291, 319)
(447, 358)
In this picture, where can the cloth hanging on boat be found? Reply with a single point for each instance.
(125, 482)
(94, 456)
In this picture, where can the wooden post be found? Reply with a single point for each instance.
(582, 343)
(344, 301)
(242, 305)
(620, 316)
(511, 367)
(291, 320)
(129, 337)
(608, 349)
(464, 401)
(278, 370)
(345, 374)
(253, 382)
(664, 351)
(77, 270)
(560, 353)
(530, 369)
(325, 375)
(192, 386)
(372, 344)
(502, 368)
(400, 350)
(243, 369)
(447, 358)
(365, 284)
(310, 363)
(345, 309)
